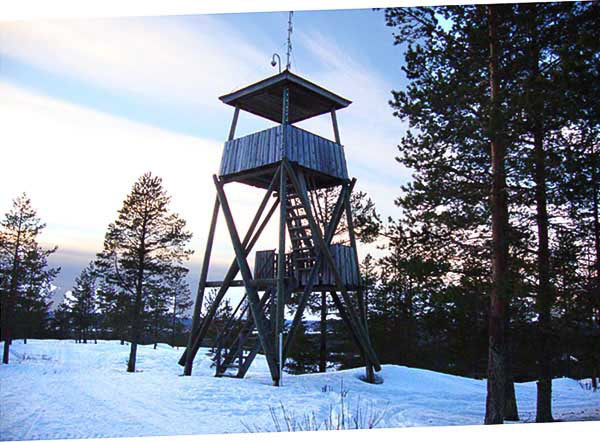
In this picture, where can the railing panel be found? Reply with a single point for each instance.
(262, 148)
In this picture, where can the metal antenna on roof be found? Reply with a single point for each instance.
(289, 42)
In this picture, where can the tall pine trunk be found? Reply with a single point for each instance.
(496, 382)
(595, 303)
(137, 313)
(544, 298)
(544, 295)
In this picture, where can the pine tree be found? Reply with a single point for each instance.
(82, 301)
(180, 301)
(24, 275)
(140, 247)
(115, 309)
(34, 300)
(60, 324)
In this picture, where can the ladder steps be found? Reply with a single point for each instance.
(298, 217)
(301, 227)
(302, 249)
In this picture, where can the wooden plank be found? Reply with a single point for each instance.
(224, 159)
(344, 165)
(311, 148)
(292, 145)
(264, 159)
(334, 161)
(271, 140)
(288, 136)
(234, 123)
(256, 155)
(330, 158)
(318, 142)
(238, 156)
(302, 155)
(277, 144)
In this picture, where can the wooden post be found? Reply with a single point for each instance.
(201, 286)
(336, 131)
(370, 375)
(360, 332)
(280, 306)
(234, 123)
(262, 326)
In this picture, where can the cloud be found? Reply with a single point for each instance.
(185, 60)
(369, 131)
(78, 165)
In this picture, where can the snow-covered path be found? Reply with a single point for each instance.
(59, 389)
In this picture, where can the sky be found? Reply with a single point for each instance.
(90, 104)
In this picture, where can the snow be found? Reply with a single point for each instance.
(58, 389)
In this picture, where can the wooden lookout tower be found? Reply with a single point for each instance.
(291, 164)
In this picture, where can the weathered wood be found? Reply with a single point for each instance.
(262, 325)
(280, 306)
(336, 131)
(344, 316)
(264, 98)
(264, 264)
(201, 286)
(272, 145)
(234, 123)
(249, 242)
(244, 331)
(226, 283)
(297, 183)
(360, 292)
(335, 219)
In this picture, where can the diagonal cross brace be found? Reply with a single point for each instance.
(260, 321)
(357, 324)
(249, 241)
(333, 223)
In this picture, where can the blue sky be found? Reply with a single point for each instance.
(91, 104)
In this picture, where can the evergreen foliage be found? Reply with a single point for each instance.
(25, 278)
(542, 115)
(142, 247)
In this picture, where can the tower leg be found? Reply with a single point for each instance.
(360, 331)
(280, 306)
(370, 375)
(201, 286)
(262, 326)
(249, 241)
(333, 223)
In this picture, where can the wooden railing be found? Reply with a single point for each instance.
(267, 147)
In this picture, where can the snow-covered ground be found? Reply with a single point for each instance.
(58, 389)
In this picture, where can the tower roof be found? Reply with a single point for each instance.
(264, 98)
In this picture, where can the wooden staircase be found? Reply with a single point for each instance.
(302, 256)
(237, 345)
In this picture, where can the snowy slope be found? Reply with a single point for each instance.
(59, 389)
